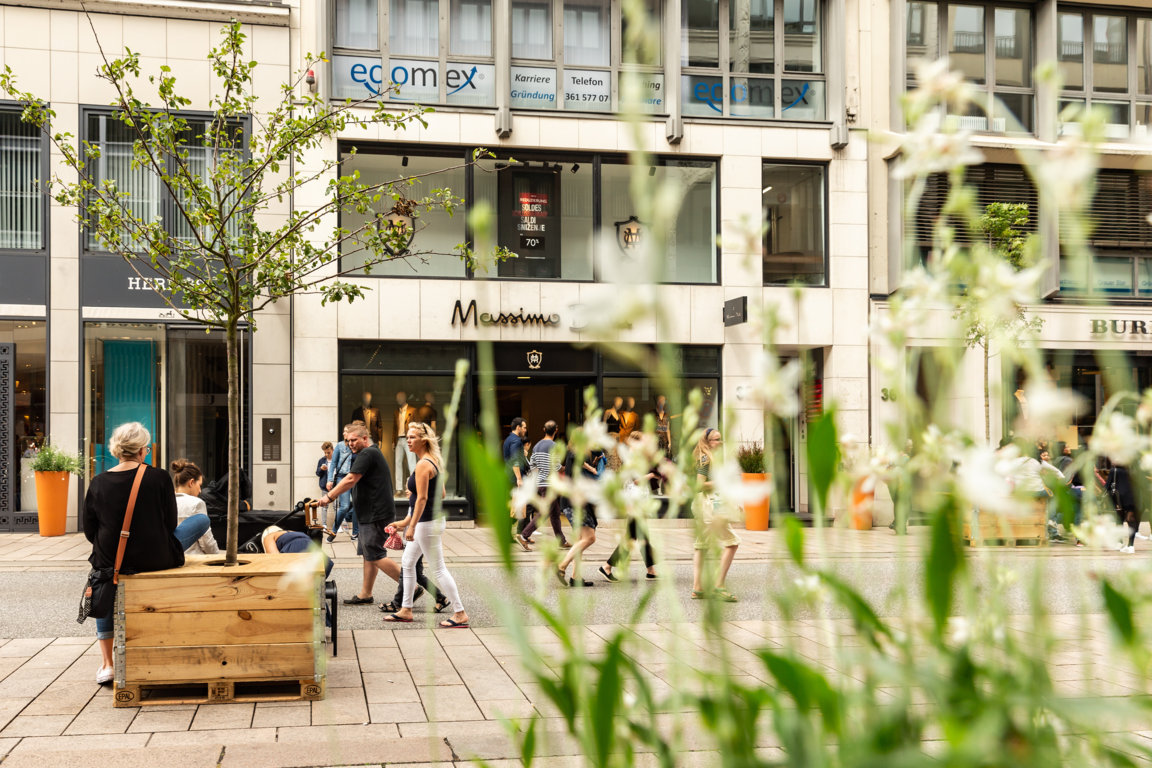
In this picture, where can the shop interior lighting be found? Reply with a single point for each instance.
(651, 170)
(404, 161)
(575, 167)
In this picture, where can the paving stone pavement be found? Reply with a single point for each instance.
(421, 697)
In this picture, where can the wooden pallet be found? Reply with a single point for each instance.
(217, 692)
(994, 530)
(1021, 542)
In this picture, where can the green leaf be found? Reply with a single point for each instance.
(1119, 609)
(944, 561)
(823, 457)
(606, 701)
(528, 744)
(490, 484)
(794, 539)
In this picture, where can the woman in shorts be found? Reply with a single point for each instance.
(713, 529)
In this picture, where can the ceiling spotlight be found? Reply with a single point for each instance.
(404, 162)
(575, 167)
(766, 190)
(651, 170)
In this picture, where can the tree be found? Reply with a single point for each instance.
(999, 224)
(222, 261)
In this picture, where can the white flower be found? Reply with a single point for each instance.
(1047, 410)
(930, 147)
(1101, 533)
(983, 479)
(774, 388)
(810, 588)
(596, 435)
(1117, 439)
(959, 630)
(733, 490)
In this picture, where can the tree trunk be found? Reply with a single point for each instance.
(233, 443)
(987, 420)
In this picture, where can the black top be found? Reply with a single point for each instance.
(613, 424)
(151, 545)
(425, 516)
(322, 474)
(372, 495)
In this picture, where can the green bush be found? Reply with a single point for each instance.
(52, 459)
(750, 457)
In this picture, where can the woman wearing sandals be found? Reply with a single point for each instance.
(423, 532)
(712, 529)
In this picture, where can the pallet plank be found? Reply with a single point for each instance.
(232, 662)
(190, 628)
(218, 691)
(213, 593)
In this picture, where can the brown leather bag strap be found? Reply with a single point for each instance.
(127, 524)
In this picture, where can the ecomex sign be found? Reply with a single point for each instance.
(357, 77)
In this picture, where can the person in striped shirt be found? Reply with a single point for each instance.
(541, 462)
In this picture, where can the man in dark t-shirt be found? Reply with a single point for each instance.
(370, 482)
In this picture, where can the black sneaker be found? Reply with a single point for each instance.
(608, 574)
(357, 600)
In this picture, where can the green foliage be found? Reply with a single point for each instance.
(1001, 223)
(823, 457)
(51, 458)
(750, 457)
(947, 560)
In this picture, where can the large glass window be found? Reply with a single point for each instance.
(23, 415)
(1116, 77)
(436, 233)
(356, 24)
(1120, 238)
(142, 193)
(739, 62)
(690, 245)
(21, 193)
(992, 45)
(173, 380)
(794, 224)
(470, 23)
(414, 28)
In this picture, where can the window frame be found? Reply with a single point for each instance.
(594, 160)
(45, 199)
(1088, 95)
(826, 280)
(167, 205)
(777, 77)
(989, 89)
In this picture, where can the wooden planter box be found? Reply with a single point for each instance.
(988, 528)
(206, 633)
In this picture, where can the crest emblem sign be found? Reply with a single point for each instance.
(535, 358)
(399, 228)
(629, 235)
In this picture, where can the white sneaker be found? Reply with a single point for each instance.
(1129, 550)
(105, 675)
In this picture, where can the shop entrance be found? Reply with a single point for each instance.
(539, 399)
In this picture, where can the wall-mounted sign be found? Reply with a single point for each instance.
(528, 222)
(358, 77)
(400, 228)
(535, 358)
(1120, 327)
(533, 88)
(736, 311)
(459, 314)
(588, 90)
(32, 287)
(629, 235)
(109, 281)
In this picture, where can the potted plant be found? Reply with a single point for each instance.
(53, 468)
(750, 457)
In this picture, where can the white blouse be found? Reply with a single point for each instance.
(186, 506)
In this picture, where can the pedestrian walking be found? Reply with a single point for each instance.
(322, 464)
(339, 466)
(641, 487)
(188, 480)
(544, 473)
(424, 528)
(369, 480)
(712, 525)
(587, 526)
(156, 541)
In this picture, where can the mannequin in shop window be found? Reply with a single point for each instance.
(663, 426)
(612, 422)
(370, 415)
(426, 414)
(628, 418)
(405, 460)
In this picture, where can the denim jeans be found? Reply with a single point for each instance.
(187, 533)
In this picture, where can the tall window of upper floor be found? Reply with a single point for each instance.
(1105, 60)
(22, 195)
(753, 58)
(1120, 239)
(992, 44)
(565, 54)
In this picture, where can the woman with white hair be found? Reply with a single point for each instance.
(155, 543)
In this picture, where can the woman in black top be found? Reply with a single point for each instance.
(156, 543)
(424, 531)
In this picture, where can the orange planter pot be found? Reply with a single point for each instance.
(52, 502)
(863, 499)
(756, 513)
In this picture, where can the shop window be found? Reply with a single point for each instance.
(794, 219)
(753, 58)
(1120, 238)
(141, 192)
(689, 254)
(23, 412)
(437, 233)
(377, 379)
(992, 45)
(22, 196)
(173, 380)
(1116, 76)
(544, 213)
